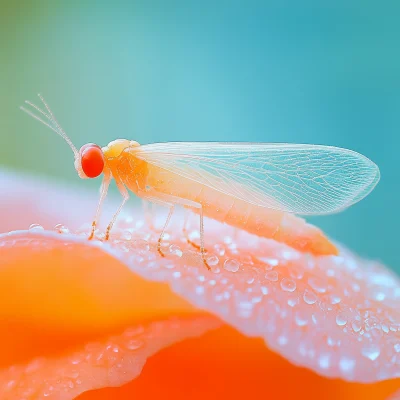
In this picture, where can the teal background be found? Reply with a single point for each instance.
(273, 71)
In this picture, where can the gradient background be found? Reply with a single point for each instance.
(221, 70)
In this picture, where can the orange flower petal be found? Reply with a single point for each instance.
(109, 361)
(335, 315)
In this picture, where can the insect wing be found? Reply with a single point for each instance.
(296, 178)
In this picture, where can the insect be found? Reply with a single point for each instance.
(257, 187)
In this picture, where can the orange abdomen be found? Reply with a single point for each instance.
(261, 221)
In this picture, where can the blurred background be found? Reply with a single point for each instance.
(305, 72)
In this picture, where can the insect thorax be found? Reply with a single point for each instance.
(116, 147)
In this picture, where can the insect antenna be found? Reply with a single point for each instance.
(52, 124)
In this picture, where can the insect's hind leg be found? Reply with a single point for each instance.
(162, 201)
(170, 201)
(185, 230)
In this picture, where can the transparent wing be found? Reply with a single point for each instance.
(296, 178)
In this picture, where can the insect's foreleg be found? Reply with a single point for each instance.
(103, 193)
(125, 196)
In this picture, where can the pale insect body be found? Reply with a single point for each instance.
(255, 187)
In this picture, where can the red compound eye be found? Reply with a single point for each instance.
(92, 160)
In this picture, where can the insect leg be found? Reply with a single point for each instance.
(170, 201)
(103, 193)
(125, 197)
(161, 202)
(185, 231)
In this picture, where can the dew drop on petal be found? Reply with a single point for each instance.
(176, 250)
(36, 227)
(126, 235)
(231, 265)
(212, 261)
(301, 318)
(264, 290)
(318, 284)
(324, 361)
(309, 297)
(335, 299)
(134, 344)
(272, 276)
(60, 228)
(347, 365)
(341, 319)
(371, 351)
(141, 245)
(134, 331)
(288, 285)
(356, 325)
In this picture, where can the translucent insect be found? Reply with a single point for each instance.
(253, 186)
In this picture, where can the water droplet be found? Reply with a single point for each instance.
(176, 274)
(371, 351)
(219, 249)
(309, 297)
(288, 285)
(335, 299)
(126, 235)
(60, 228)
(397, 347)
(324, 361)
(301, 318)
(385, 328)
(356, 287)
(227, 240)
(271, 262)
(296, 273)
(341, 319)
(379, 296)
(123, 247)
(76, 360)
(36, 227)
(231, 265)
(330, 272)
(282, 340)
(166, 236)
(272, 276)
(293, 301)
(264, 290)
(356, 325)
(347, 365)
(199, 290)
(318, 284)
(141, 245)
(194, 235)
(134, 331)
(215, 269)
(212, 260)
(134, 344)
(176, 250)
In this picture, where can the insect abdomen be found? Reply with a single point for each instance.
(261, 221)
